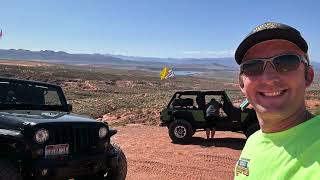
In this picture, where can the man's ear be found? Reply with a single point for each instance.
(309, 75)
(241, 84)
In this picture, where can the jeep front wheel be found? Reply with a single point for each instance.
(8, 171)
(120, 171)
(180, 131)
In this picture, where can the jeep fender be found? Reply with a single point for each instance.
(181, 119)
(11, 144)
(11, 134)
(112, 132)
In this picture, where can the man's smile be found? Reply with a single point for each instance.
(273, 93)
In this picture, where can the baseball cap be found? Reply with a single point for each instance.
(268, 31)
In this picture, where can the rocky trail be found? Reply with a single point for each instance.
(151, 154)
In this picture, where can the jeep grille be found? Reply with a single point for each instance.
(80, 139)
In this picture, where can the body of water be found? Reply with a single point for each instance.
(186, 73)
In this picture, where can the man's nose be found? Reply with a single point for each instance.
(270, 71)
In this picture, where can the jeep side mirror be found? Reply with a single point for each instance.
(69, 107)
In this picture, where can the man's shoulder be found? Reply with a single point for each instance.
(256, 135)
(310, 131)
(312, 125)
(216, 102)
(317, 117)
(254, 139)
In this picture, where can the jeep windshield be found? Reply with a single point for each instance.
(21, 95)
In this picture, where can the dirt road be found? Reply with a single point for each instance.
(151, 155)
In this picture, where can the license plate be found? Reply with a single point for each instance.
(56, 150)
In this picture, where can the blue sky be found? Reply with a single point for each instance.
(156, 28)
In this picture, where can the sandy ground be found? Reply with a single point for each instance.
(151, 154)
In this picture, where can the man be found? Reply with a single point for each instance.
(211, 113)
(274, 75)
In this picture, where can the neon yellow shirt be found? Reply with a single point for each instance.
(290, 154)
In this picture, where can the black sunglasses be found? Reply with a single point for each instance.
(281, 63)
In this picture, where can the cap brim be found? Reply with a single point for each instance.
(269, 34)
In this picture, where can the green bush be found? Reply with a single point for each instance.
(317, 112)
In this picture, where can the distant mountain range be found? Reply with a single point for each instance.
(133, 62)
(223, 62)
(60, 57)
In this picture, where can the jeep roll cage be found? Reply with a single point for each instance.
(188, 102)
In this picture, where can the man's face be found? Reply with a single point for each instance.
(275, 95)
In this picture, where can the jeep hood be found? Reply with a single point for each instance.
(18, 119)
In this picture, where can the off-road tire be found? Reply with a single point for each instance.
(117, 173)
(180, 131)
(8, 171)
(252, 128)
(120, 171)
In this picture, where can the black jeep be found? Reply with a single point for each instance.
(186, 113)
(41, 139)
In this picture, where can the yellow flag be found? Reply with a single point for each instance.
(164, 73)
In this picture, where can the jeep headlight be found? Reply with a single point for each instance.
(103, 132)
(41, 136)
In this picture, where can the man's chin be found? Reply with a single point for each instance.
(269, 110)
